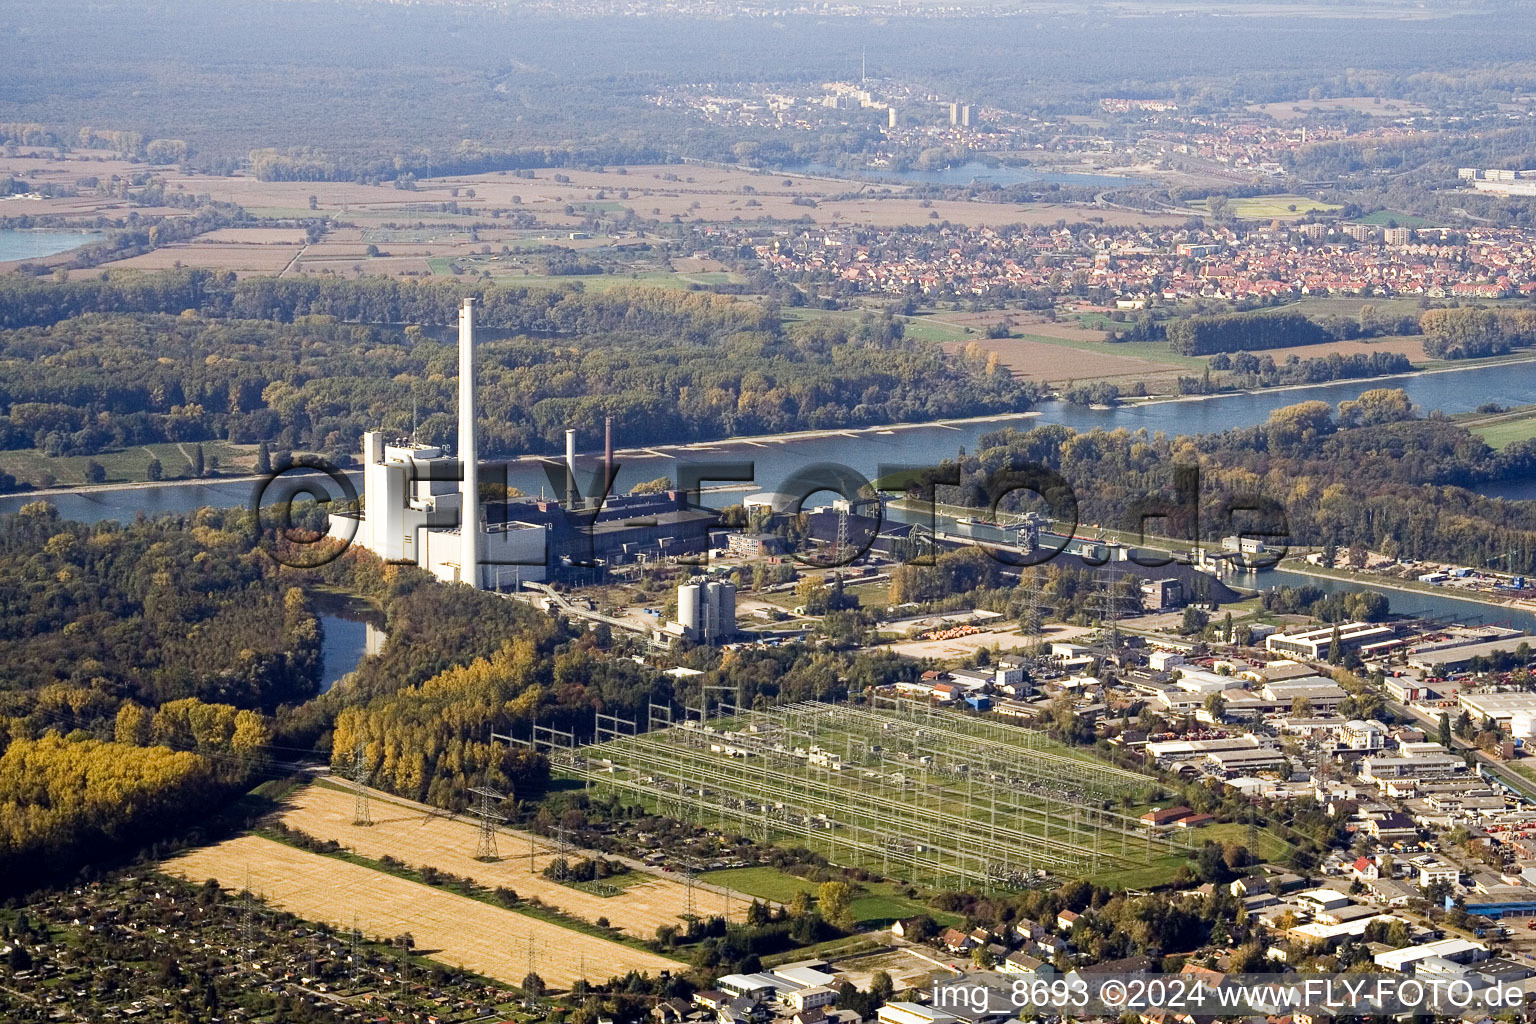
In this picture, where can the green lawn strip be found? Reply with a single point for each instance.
(923, 328)
(880, 903)
(832, 949)
(613, 885)
(1270, 206)
(480, 894)
(1160, 871)
(602, 282)
(1504, 433)
(125, 465)
(1404, 220)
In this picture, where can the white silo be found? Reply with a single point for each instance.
(688, 607)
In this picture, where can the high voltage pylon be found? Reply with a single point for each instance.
(361, 814)
(1111, 582)
(689, 914)
(1034, 613)
(562, 860)
(485, 810)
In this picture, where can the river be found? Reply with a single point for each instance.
(867, 450)
(350, 629)
(1404, 602)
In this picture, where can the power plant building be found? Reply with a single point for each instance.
(417, 497)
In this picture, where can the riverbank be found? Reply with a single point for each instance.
(1373, 581)
(132, 485)
(1439, 366)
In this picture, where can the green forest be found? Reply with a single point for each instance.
(188, 356)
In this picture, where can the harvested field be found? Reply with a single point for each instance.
(1411, 346)
(254, 236)
(265, 259)
(1375, 106)
(420, 838)
(452, 929)
(1022, 323)
(1041, 360)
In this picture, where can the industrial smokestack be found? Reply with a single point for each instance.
(570, 469)
(469, 453)
(607, 451)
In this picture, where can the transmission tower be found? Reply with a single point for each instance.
(839, 553)
(1110, 584)
(691, 878)
(489, 817)
(361, 815)
(562, 852)
(1034, 614)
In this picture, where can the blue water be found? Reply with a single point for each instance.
(34, 245)
(1513, 490)
(1403, 602)
(343, 645)
(973, 172)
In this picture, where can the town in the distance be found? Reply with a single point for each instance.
(715, 512)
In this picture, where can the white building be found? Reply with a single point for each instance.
(1314, 643)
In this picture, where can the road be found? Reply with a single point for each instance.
(1511, 778)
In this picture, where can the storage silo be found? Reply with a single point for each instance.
(688, 607)
(722, 611)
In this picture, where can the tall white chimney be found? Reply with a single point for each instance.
(570, 469)
(469, 452)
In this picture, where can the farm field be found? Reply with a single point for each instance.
(1503, 430)
(1350, 305)
(1410, 345)
(452, 929)
(1381, 218)
(422, 838)
(127, 465)
(1059, 359)
(1375, 106)
(1271, 207)
(252, 258)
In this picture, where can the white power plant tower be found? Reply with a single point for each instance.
(469, 486)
